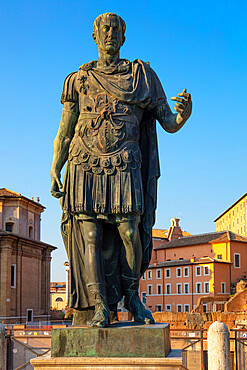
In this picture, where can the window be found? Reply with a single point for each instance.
(143, 296)
(179, 308)
(144, 276)
(206, 287)
(13, 276)
(205, 307)
(198, 271)
(30, 232)
(233, 213)
(168, 307)
(179, 288)
(186, 308)
(158, 308)
(29, 315)
(159, 289)
(59, 304)
(9, 226)
(149, 274)
(223, 287)
(219, 256)
(206, 270)
(178, 272)
(158, 274)
(150, 289)
(168, 273)
(237, 260)
(198, 288)
(168, 288)
(186, 288)
(186, 271)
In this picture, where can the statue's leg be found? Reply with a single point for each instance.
(93, 234)
(131, 258)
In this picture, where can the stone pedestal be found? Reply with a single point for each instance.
(124, 339)
(172, 362)
(124, 345)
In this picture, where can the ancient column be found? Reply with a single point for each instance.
(218, 347)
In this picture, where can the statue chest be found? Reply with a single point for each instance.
(105, 124)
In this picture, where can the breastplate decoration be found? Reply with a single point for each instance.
(106, 137)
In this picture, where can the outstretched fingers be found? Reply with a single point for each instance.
(185, 95)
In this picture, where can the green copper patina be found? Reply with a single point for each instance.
(107, 136)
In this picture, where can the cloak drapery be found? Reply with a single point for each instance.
(132, 83)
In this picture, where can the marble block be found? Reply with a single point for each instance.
(124, 339)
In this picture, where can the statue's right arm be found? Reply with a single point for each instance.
(61, 145)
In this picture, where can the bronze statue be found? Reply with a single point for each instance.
(107, 136)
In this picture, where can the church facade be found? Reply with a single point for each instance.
(24, 261)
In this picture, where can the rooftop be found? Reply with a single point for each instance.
(215, 237)
(6, 193)
(228, 209)
(184, 262)
(163, 234)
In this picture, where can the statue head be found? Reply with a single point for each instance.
(108, 32)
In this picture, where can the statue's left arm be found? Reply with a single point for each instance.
(172, 122)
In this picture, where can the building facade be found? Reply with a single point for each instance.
(234, 217)
(24, 260)
(184, 269)
(58, 295)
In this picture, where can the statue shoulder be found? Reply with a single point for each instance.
(69, 88)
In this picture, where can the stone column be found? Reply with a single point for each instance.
(218, 347)
(3, 352)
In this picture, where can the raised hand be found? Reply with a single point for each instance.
(183, 107)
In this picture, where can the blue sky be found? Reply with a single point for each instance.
(196, 45)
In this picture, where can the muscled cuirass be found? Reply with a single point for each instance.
(106, 134)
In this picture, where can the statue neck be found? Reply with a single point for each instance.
(106, 60)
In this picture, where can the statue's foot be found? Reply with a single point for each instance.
(101, 317)
(138, 310)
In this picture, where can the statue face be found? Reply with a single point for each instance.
(109, 37)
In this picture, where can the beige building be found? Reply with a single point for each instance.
(24, 260)
(58, 295)
(234, 218)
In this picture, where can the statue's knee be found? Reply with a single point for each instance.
(130, 235)
(92, 237)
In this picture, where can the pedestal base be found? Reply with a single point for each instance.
(172, 362)
(124, 339)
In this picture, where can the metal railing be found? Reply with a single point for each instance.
(240, 348)
(191, 343)
(25, 344)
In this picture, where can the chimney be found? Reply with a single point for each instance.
(174, 231)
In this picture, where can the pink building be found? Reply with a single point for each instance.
(183, 269)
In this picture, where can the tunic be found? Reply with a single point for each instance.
(104, 163)
(112, 165)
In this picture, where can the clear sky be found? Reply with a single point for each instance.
(196, 45)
